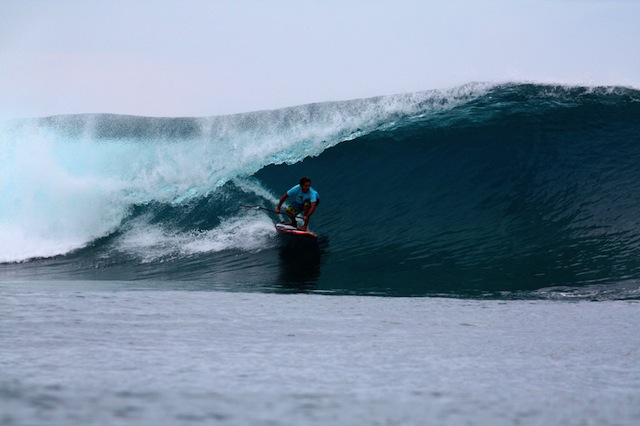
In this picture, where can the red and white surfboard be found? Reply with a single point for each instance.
(292, 230)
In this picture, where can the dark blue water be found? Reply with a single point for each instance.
(509, 191)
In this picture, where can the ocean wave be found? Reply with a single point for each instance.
(481, 189)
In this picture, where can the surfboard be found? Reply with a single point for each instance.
(292, 230)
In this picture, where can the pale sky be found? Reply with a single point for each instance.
(203, 58)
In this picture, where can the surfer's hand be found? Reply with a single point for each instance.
(278, 210)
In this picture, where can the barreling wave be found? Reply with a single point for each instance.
(514, 190)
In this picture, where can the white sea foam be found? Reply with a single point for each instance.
(66, 181)
(154, 242)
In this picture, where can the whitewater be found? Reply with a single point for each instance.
(477, 263)
(107, 164)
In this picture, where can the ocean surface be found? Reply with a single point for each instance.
(478, 262)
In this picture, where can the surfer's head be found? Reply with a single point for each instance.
(305, 184)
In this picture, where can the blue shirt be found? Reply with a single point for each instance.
(300, 197)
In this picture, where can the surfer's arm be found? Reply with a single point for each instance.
(284, 197)
(312, 208)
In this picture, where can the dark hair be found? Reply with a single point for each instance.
(304, 179)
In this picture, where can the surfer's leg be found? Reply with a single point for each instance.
(306, 208)
(292, 221)
(292, 211)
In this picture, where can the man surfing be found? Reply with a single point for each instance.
(305, 198)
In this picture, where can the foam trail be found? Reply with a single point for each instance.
(151, 243)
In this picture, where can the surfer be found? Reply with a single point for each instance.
(305, 198)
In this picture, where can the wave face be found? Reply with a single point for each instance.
(514, 190)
